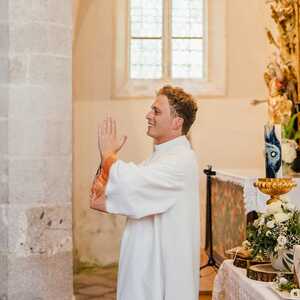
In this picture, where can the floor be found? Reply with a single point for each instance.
(92, 284)
(100, 284)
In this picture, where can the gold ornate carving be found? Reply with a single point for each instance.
(274, 187)
(282, 74)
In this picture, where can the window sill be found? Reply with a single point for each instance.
(147, 88)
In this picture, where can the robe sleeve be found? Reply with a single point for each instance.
(97, 195)
(137, 191)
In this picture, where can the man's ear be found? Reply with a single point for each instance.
(178, 122)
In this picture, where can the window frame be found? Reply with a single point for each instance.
(214, 38)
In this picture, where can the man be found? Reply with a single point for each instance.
(159, 257)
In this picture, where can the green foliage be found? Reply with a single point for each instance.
(274, 230)
(261, 244)
(290, 129)
(287, 286)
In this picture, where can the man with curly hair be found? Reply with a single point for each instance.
(159, 257)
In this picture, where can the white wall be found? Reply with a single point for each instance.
(228, 132)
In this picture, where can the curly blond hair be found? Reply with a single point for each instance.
(182, 104)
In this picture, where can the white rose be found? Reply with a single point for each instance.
(270, 224)
(289, 206)
(281, 240)
(283, 280)
(256, 223)
(288, 148)
(281, 217)
(261, 221)
(268, 233)
(295, 292)
(274, 207)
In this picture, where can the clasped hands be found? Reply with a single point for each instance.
(108, 144)
(108, 141)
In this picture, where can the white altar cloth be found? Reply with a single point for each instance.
(253, 198)
(231, 283)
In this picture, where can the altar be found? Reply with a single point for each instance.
(232, 283)
(233, 197)
(233, 201)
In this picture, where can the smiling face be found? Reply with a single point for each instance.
(163, 124)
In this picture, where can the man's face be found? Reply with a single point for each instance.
(162, 124)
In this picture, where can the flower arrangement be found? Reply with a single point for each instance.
(275, 230)
(283, 284)
(289, 148)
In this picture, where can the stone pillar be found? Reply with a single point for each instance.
(35, 150)
(4, 41)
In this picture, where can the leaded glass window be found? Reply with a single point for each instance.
(166, 39)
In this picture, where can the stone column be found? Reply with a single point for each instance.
(35, 150)
(4, 41)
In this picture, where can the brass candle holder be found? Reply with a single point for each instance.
(274, 187)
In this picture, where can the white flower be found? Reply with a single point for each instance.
(261, 221)
(286, 203)
(256, 223)
(274, 207)
(270, 224)
(281, 240)
(288, 148)
(278, 247)
(289, 206)
(281, 217)
(246, 244)
(295, 292)
(268, 233)
(283, 280)
(285, 198)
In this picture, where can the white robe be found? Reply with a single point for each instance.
(159, 257)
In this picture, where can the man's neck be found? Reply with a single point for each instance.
(159, 141)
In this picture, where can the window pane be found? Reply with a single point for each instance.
(145, 59)
(187, 18)
(187, 58)
(146, 18)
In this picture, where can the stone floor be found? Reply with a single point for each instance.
(100, 284)
(96, 284)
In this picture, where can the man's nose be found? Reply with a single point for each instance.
(148, 115)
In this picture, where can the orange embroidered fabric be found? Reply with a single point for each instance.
(100, 181)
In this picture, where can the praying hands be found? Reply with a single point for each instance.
(108, 141)
(109, 145)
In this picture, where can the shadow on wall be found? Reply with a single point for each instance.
(80, 10)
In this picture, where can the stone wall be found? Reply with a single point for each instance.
(35, 150)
